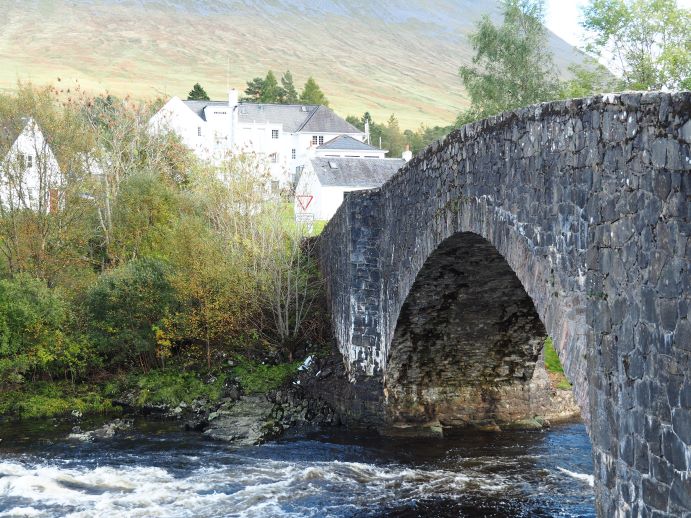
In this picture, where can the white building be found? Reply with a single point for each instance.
(345, 146)
(286, 135)
(324, 181)
(29, 173)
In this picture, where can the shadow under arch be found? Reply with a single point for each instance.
(467, 347)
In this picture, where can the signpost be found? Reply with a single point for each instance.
(304, 201)
(304, 217)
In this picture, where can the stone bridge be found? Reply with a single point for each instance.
(569, 219)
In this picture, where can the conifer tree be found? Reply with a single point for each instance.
(290, 94)
(197, 94)
(271, 92)
(312, 94)
(254, 90)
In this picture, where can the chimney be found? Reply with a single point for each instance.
(233, 112)
(407, 154)
(367, 131)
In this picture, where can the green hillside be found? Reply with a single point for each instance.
(383, 56)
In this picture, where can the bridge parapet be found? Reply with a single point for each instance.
(587, 201)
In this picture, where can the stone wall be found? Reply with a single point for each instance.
(587, 201)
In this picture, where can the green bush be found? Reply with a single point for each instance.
(259, 378)
(34, 332)
(124, 306)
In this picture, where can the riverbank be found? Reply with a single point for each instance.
(250, 402)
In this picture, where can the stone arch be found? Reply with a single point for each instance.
(467, 342)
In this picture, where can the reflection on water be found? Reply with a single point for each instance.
(157, 470)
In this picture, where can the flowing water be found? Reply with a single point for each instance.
(155, 469)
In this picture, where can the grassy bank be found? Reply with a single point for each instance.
(156, 388)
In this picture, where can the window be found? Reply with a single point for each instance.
(273, 157)
(29, 161)
(274, 134)
(314, 139)
(293, 154)
(321, 139)
(199, 131)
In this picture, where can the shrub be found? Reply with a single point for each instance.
(123, 308)
(34, 334)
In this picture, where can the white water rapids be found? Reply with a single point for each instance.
(158, 472)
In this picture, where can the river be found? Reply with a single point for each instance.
(155, 469)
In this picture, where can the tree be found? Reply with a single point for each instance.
(395, 140)
(312, 94)
(589, 79)
(271, 92)
(290, 94)
(255, 87)
(197, 94)
(288, 281)
(44, 216)
(125, 149)
(125, 307)
(647, 42)
(512, 64)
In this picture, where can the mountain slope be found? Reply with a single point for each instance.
(384, 56)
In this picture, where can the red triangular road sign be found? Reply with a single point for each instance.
(304, 200)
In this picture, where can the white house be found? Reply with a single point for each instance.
(29, 173)
(345, 146)
(285, 134)
(324, 181)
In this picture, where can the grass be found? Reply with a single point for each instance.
(259, 378)
(553, 365)
(167, 387)
(50, 399)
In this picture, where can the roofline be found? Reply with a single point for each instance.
(307, 120)
(256, 104)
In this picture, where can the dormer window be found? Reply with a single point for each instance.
(274, 134)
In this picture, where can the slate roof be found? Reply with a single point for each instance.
(346, 142)
(10, 132)
(355, 172)
(293, 117)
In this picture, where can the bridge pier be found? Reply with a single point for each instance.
(584, 206)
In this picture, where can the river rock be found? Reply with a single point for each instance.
(107, 431)
(244, 422)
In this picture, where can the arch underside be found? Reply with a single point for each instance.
(467, 345)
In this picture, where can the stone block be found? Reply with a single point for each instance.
(673, 449)
(655, 494)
